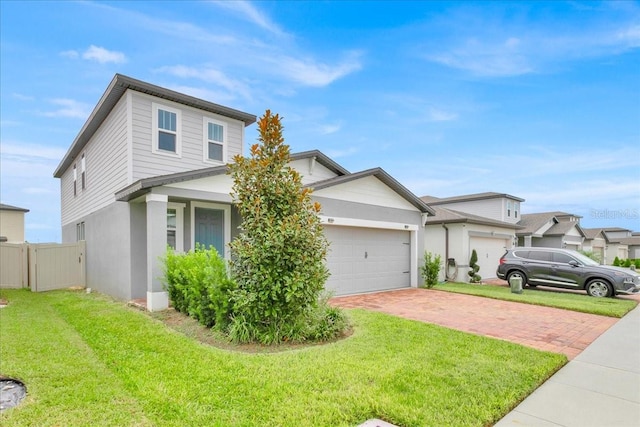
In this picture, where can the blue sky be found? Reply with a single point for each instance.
(539, 100)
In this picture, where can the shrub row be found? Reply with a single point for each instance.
(626, 262)
(199, 286)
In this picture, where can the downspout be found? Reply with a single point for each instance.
(446, 252)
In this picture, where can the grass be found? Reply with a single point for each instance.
(87, 360)
(612, 307)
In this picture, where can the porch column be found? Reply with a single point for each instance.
(157, 297)
(527, 241)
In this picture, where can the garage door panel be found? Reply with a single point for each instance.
(489, 251)
(365, 260)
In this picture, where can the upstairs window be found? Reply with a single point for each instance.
(516, 207)
(75, 180)
(166, 125)
(508, 209)
(83, 175)
(214, 140)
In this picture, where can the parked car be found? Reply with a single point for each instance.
(563, 268)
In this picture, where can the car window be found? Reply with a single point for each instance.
(540, 255)
(521, 254)
(562, 258)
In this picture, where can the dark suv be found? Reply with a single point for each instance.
(562, 268)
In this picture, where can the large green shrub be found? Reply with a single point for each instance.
(474, 277)
(278, 258)
(430, 269)
(198, 285)
(616, 262)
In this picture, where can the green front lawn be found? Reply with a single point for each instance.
(612, 307)
(87, 360)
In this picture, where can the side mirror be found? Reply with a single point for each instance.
(574, 263)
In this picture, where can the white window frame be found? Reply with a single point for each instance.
(83, 171)
(80, 231)
(179, 207)
(75, 180)
(156, 130)
(227, 223)
(205, 140)
(508, 208)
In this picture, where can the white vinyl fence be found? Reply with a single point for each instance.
(43, 266)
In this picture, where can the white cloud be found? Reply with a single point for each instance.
(437, 115)
(310, 72)
(69, 108)
(73, 54)
(210, 75)
(336, 154)
(328, 129)
(22, 97)
(30, 151)
(252, 14)
(103, 56)
(492, 59)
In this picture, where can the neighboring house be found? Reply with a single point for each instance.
(148, 169)
(619, 239)
(596, 241)
(551, 229)
(12, 223)
(485, 222)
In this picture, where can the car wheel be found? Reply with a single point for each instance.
(517, 274)
(599, 288)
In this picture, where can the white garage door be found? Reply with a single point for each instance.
(489, 251)
(367, 259)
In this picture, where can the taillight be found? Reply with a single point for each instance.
(502, 260)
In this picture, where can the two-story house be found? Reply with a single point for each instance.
(486, 222)
(148, 170)
(12, 223)
(551, 229)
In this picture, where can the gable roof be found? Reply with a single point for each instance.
(144, 185)
(382, 176)
(533, 222)
(322, 159)
(118, 86)
(468, 198)
(4, 207)
(451, 216)
(561, 228)
(592, 233)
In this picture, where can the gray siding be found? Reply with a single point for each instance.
(146, 163)
(495, 208)
(106, 169)
(108, 250)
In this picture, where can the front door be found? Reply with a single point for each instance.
(209, 228)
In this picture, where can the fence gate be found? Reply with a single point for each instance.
(14, 266)
(43, 266)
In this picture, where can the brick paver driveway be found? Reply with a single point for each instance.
(544, 328)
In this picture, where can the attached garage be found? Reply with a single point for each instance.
(367, 259)
(489, 251)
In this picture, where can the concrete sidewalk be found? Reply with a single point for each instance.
(600, 387)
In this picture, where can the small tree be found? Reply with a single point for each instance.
(474, 277)
(430, 269)
(616, 262)
(278, 259)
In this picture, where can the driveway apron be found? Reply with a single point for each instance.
(543, 328)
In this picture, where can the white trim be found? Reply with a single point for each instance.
(157, 301)
(154, 130)
(179, 207)
(205, 140)
(354, 222)
(155, 197)
(227, 223)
